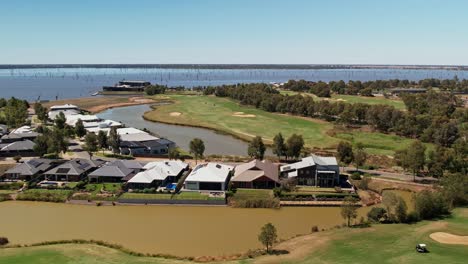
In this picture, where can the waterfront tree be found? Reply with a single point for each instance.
(268, 236)
(197, 148)
(80, 130)
(279, 147)
(349, 209)
(256, 148)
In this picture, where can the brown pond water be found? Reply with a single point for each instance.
(176, 230)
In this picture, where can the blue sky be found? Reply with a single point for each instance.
(240, 31)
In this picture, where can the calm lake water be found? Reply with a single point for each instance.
(81, 82)
(177, 230)
(182, 135)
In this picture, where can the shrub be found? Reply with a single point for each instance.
(80, 185)
(315, 229)
(4, 197)
(376, 214)
(17, 158)
(11, 186)
(258, 203)
(98, 203)
(277, 192)
(3, 241)
(429, 205)
(356, 176)
(412, 217)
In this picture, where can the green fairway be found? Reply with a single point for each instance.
(395, 244)
(378, 143)
(399, 104)
(227, 116)
(244, 122)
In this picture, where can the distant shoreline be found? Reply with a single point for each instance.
(239, 66)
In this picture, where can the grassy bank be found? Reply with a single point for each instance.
(227, 116)
(165, 196)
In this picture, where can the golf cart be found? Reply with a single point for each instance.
(421, 248)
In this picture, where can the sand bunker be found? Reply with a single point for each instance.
(447, 238)
(242, 114)
(175, 114)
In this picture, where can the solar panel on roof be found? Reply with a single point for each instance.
(84, 166)
(63, 170)
(34, 163)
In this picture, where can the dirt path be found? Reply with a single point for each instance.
(447, 238)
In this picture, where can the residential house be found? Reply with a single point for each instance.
(138, 142)
(116, 171)
(66, 109)
(73, 170)
(24, 148)
(313, 171)
(29, 169)
(13, 137)
(159, 173)
(209, 177)
(256, 174)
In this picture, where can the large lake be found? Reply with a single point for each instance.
(49, 83)
(214, 143)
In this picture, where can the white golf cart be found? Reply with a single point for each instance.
(421, 248)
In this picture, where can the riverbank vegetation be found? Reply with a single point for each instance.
(44, 195)
(253, 198)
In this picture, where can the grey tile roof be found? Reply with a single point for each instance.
(23, 145)
(75, 167)
(31, 167)
(118, 168)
